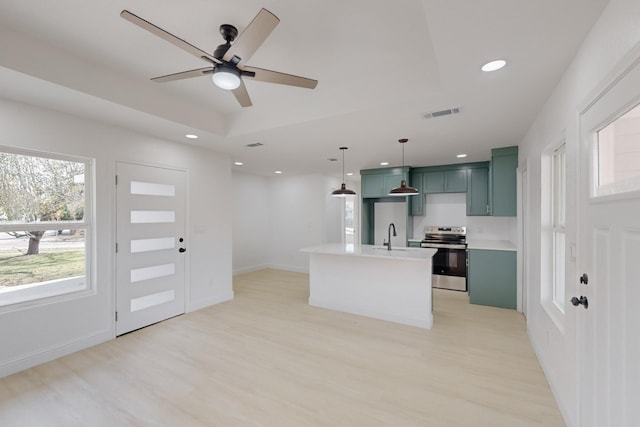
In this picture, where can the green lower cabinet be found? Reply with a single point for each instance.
(491, 278)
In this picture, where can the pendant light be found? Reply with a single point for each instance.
(343, 191)
(404, 189)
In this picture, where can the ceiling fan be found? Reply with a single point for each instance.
(228, 60)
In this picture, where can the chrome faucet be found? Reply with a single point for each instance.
(388, 243)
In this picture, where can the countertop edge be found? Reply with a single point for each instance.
(371, 251)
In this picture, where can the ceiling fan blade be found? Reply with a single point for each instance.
(270, 76)
(253, 36)
(176, 41)
(242, 95)
(183, 75)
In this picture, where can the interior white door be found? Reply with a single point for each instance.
(151, 246)
(609, 254)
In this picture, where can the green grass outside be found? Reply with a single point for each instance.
(19, 269)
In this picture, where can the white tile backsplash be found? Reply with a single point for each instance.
(492, 228)
(451, 209)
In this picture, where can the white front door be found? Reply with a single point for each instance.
(609, 254)
(150, 236)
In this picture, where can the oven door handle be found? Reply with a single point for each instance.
(442, 246)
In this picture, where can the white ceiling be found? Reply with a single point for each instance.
(381, 67)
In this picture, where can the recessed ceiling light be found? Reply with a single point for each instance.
(460, 156)
(349, 173)
(494, 65)
(384, 163)
(278, 172)
(238, 163)
(191, 136)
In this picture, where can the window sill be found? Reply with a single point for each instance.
(36, 292)
(557, 316)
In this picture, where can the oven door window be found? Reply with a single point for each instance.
(450, 262)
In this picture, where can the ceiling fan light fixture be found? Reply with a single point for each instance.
(343, 191)
(404, 189)
(226, 77)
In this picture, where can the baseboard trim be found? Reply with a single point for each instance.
(294, 269)
(53, 352)
(251, 269)
(564, 411)
(207, 302)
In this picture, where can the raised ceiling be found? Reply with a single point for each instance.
(381, 67)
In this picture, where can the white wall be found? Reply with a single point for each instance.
(275, 217)
(451, 209)
(37, 333)
(612, 37)
(251, 219)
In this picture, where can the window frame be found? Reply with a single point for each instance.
(616, 189)
(559, 224)
(65, 288)
(553, 254)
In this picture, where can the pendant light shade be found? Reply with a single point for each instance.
(343, 191)
(404, 189)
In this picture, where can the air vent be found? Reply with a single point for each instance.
(254, 145)
(441, 113)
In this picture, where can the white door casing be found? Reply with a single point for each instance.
(150, 258)
(609, 253)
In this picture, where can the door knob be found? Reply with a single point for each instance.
(182, 250)
(582, 300)
(584, 279)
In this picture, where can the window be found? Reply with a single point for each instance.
(617, 151)
(350, 221)
(558, 221)
(553, 239)
(45, 225)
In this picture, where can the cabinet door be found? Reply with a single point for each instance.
(478, 192)
(373, 185)
(455, 181)
(492, 278)
(417, 203)
(504, 163)
(433, 182)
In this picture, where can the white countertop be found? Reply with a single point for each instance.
(491, 245)
(400, 253)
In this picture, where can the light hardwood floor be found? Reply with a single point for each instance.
(269, 359)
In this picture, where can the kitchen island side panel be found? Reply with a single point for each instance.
(389, 289)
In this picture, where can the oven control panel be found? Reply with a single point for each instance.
(433, 229)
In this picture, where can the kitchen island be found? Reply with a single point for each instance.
(372, 281)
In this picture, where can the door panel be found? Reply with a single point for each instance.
(608, 251)
(150, 212)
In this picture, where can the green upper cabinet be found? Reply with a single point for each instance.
(445, 181)
(377, 183)
(417, 203)
(478, 192)
(455, 181)
(372, 185)
(433, 182)
(504, 164)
